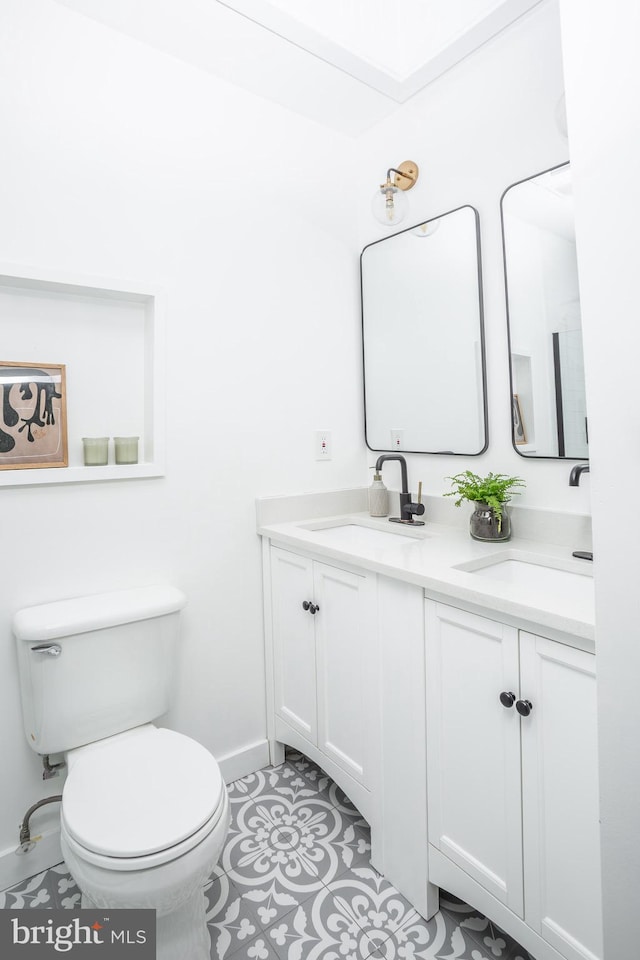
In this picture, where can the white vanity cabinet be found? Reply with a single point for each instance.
(325, 659)
(513, 798)
(346, 686)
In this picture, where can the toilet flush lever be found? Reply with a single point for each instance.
(50, 649)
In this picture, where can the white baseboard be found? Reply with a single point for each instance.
(46, 853)
(242, 762)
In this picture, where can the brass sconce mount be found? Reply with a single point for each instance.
(389, 206)
(406, 174)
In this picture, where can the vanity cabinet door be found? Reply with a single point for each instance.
(346, 649)
(294, 641)
(326, 658)
(560, 797)
(473, 749)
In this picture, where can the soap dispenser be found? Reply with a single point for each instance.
(378, 497)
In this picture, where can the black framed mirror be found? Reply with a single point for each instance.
(423, 338)
(548, 397)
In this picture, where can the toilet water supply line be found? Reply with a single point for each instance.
(26, 843)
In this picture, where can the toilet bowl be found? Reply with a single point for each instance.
(145, 810)
(144, 816)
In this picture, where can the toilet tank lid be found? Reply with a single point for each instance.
(64, 618)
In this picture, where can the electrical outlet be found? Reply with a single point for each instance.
(323, 444)
(397, 439)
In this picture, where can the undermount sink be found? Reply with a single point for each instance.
(564, 581)
(352, 534)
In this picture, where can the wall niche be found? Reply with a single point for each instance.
(109, 335)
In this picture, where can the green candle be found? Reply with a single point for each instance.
(96, 451)
(126, 449)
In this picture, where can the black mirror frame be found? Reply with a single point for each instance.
(485, 412)
(528, 457)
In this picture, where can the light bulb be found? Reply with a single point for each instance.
(426, 229)
(389, 204)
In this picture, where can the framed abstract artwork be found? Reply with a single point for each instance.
(519, 432)
(33, 425)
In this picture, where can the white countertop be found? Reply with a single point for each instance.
(430, 559)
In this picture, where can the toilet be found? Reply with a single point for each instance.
(144, 811)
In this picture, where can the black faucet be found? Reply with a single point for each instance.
(574, 481)
(408, 510)
(576, 473)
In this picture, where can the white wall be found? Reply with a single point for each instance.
(604, 129)
(478, 129)
(122, 162)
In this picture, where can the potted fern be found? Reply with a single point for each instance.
(490, 496)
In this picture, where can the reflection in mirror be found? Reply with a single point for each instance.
(545, 332)
(423, 339)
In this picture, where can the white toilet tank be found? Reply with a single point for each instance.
(91, 667)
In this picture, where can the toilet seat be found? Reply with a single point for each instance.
(141, 798)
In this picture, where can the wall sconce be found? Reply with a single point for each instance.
(389, 203)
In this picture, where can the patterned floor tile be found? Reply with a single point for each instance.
(304, 765)
(237, 920)
(375, 904)
(320, 928)
(497, 944)
(315, 777)
(258, 783)
(272, 903)
(452, 902)
(285, 870)
(65, 889)
(231, 923)
(325, 786)
(325, 838)
(38, 891)
(285, 779)
(252, 833)
(357, 847)
(294, 883)
(257, 855)
(298, 787)
(344, 803)
(267, 903)
(461, 946)
(250, 790)
(471, 920)
(256, 851)
(518, 952)
(439, 939)
(257, 949)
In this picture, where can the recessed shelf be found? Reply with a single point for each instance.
(110, 336)
(82, 474)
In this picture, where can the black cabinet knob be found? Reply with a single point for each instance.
(524, 707)
(507, 699)
(305, 604)
(311, 607)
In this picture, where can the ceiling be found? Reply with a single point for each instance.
(394, 46)
(344, 63)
